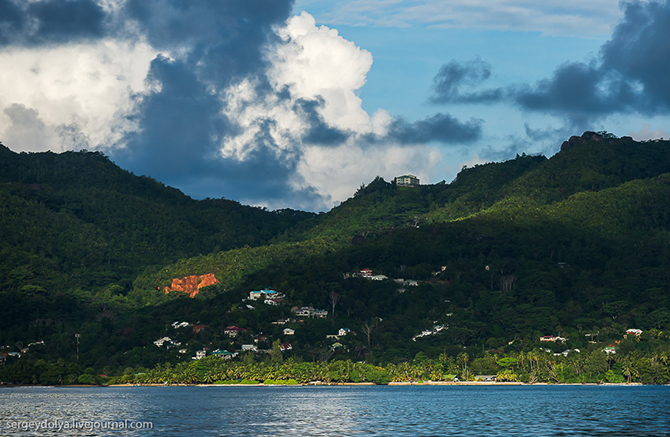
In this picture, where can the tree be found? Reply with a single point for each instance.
(506, 283)
(596, 363)
(275, 353)
(462, 359)
(367, 329)
(614, 309)
(334, 298)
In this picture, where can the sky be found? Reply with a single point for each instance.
(295, 104)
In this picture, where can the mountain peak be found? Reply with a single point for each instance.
(586, 136)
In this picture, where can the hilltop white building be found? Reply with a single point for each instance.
(407, 181)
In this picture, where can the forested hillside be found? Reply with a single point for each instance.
(576, 246)
(77, 214)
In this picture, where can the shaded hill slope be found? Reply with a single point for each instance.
(78, 217)
(529, 188)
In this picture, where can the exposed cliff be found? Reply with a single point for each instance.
(586, 136)
(191, 285)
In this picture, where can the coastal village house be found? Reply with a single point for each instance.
(233, 331)
(224, 354)
(198, 328)
(552, 338)
(162, 341)
(309, 312)
(269, 294)
(486, 378)
(407, 181)
(610, 350)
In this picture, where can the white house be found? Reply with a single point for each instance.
(178, 325)
(378, 277)
(552, 338)
(304, 311)
(343, 331)
(161, 341)
(289, 331)
(310, 312)
(567, 352)
(320, 313)
(427, 332)
(407, 180)
(269, 294)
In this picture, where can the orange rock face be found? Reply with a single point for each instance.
(191, 285)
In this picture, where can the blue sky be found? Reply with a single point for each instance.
(295, 104)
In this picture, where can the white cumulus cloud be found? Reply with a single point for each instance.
(315, 61)
(70, 96)
(315, 64)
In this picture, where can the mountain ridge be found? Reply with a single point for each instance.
(510, 250)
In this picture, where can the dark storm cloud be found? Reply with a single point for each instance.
(224, 37)
(11, 17)
(438, 128)
(640, 51)
(454, 76)
(442, 128)
(179, 125)
(50, 22)
(182, 126)
(319, 132)
(580, 92)
(181, 146)
(630, 74)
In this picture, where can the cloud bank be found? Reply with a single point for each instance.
(629, 75)
(218, 98)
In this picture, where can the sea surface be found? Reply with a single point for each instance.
(337, 411)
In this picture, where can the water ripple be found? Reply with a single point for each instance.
(347, 411)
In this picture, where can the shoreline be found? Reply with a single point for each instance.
(396, 384)
(345, 384)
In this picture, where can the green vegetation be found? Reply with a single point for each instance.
(531, 366)
(577, 245)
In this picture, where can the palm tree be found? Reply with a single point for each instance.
(463, 358)
(209, 377)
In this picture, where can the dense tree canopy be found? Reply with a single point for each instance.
(575, 246)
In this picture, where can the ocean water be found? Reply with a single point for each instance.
(337, 411)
